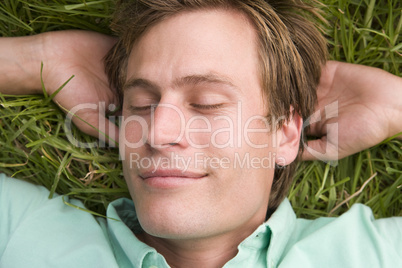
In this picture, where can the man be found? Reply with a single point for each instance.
(206, 67)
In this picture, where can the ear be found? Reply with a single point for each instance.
(288, 140)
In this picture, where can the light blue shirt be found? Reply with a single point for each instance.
(38, 232)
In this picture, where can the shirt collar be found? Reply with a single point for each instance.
(281, 223)
(129, 251)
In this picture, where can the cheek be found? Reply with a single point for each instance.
(133, 132)
(128, 176)
(243, 191)
(224, 133)
(131, 143)
(198, 136)
(257, 132)
(209, 132)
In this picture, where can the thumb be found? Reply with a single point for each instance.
(110, 133)
(97, 125)
(102, 128)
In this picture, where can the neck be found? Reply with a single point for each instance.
(205, 252)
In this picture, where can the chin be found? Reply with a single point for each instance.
(174, 225)
(169, 230)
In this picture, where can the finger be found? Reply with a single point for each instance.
(99, 126)
(307, 154)
(317, 124)
(319, 149)
(314, 129)
(313, 124)
(110, 134)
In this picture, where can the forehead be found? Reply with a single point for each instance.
(204, 42)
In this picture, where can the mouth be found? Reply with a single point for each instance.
(166, 179)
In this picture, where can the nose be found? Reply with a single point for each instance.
(167, 126)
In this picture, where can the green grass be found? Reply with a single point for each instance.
(34, 146)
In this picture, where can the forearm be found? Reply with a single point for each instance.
(20, 62)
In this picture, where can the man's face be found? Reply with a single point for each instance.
(192, 169)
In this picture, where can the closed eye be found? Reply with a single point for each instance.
(142, 108)
(207, 106)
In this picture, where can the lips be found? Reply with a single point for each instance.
(170, 179)
(171, 173)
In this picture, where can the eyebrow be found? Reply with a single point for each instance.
(139, 82)
(195, 79)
